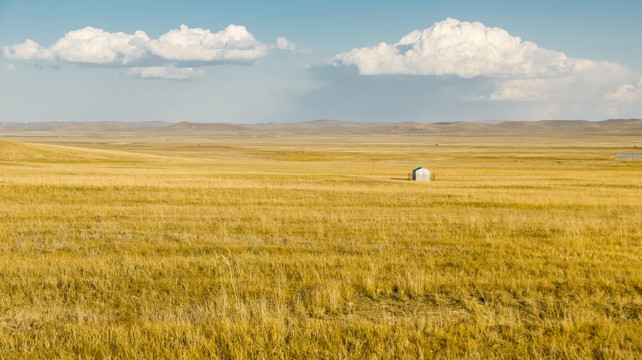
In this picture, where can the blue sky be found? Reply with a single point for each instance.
(298, 61)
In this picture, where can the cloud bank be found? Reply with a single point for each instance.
(233, 44)
(177, 50)
(461, 48)
(521, 71)
(164, 72)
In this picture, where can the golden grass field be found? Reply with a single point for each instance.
(310, 247)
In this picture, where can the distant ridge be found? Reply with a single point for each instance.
(324, 122)
(325, 127)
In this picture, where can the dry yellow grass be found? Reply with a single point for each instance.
(319, 248)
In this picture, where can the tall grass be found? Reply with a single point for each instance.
(318, 248)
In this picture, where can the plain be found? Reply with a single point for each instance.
(319, 247)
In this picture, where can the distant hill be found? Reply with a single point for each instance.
(323, 127)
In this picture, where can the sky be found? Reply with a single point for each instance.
(249, 61)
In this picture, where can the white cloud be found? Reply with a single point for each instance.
(521, 90)
(587, 80)
(465, 49)
(625, 93)
(234, 43)
(164, 72)
(179, 47)
(29, 50)
(546, 82)
(96, 46)
(11, 67)
(283, 44)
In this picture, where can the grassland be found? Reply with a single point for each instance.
(300, 248)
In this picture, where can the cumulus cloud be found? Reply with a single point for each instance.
(29, 50)
(283, 44)
(588, 81)
(234, 43)
(164, 72)
(96, 46)
(625, 93)
(452, 47)
(182, 47)
(521, 90)
(544, 83)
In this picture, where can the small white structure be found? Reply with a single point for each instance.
(628, 156)
(421, 174)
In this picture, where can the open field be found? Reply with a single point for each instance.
(313, 247)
